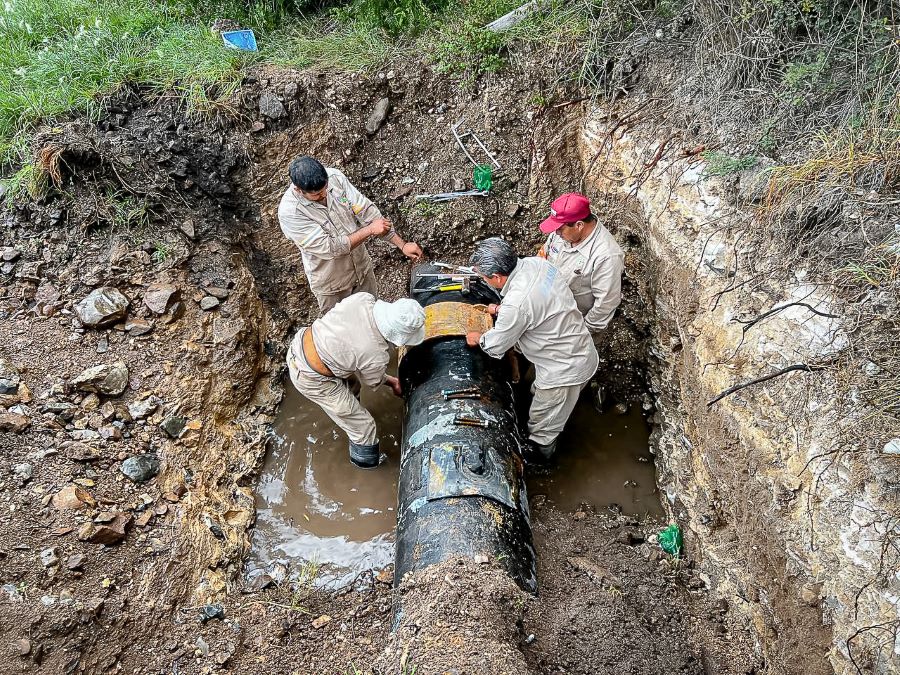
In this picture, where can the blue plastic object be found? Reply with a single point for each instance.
(240, 39)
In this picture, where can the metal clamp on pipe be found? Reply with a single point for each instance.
(462, 490)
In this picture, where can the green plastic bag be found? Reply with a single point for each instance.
(671, 541)
(482, 177)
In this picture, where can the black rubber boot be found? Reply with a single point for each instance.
(538, 456)
(365, 456)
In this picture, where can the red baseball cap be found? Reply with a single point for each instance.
(568, 208)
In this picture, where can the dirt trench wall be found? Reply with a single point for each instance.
(790, 520)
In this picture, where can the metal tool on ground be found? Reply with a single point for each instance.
(447, 196)
(468, 392)
(454, 128)
(447, 266)
(463, 421)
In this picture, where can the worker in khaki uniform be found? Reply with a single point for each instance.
(330, 221)
(352, 343)
(588, 257)
(538, 315)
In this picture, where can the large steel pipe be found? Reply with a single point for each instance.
(461, 489)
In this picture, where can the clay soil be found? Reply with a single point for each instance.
(153, 194)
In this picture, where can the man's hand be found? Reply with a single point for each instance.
(412, 251)
(394, 384)
(473, 338)
(379, 227)
(492, 309)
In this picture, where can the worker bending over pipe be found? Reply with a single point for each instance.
(351, 343)
(537, 315)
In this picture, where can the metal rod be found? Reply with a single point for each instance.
(447, 196)
(486, 151)
(459, 138)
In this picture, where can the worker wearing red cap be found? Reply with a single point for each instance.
(588, 257)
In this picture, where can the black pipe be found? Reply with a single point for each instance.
(461, 491)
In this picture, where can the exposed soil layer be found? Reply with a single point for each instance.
(101, 573)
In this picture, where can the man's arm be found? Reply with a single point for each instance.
(511, 323)
(367, 213)
(373, 370)
(606, 287)
(310, 237)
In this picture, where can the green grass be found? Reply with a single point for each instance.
(328, 43)
(59, 56)
(720, 164)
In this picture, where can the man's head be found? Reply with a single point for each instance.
(494, 260)
(401, 322)
(570, 217)
(309, 177)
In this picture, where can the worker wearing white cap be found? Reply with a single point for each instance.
(350, 344)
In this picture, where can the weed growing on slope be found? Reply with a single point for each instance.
(59, 56)
(721, 164)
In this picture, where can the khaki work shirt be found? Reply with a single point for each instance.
(322, 233)
(538, 315)
(593, 269)
(348, 342)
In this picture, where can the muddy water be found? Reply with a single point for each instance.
(313, 505)
(602, 460)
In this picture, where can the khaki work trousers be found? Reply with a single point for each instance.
(327, 301)
(550, 410)
(339, 399)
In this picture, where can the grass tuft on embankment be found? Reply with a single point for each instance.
(60, 56)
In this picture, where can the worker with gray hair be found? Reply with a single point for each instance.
(351, 343)
(538, 315)
(330, 221)
(587, 255)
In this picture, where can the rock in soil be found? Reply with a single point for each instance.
(143, 408)
(23, 471)
(107, 533)
(49, 556)
(270, 106)
(9, 254)
(73, 497)
(140, 468)
(75, 562)
(173, 425)
(378, 116)
(211, 611)
(158, 296)
(14, 422)
(101, 307)
(109, 380)
(9, 377)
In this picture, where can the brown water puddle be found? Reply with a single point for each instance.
(603, 459)
(313, 505)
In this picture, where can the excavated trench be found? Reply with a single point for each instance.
(255, 488)
(312, 508)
